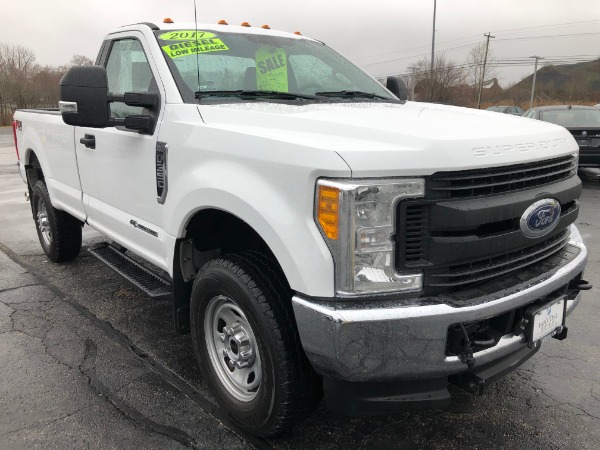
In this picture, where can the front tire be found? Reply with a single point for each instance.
(247, 344)
(59, 232)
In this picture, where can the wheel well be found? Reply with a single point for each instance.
(34, 169)
(213, 229)
(212, 232)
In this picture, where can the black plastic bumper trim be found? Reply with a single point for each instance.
(476, 380)
(355, 399)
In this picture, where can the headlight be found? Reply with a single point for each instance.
(357, 220)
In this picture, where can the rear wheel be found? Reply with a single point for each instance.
(247, 344)
(59, 232)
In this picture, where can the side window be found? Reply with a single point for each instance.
(128, 70)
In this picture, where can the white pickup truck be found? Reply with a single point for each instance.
(316, 234)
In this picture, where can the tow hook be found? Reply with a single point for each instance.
(467, 355)
(580, 285)
(26, 196)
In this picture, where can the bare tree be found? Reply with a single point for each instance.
(80, 60)
(447, 76)
(44, 87)
(25, 84)
(17, 65)
(475, 67)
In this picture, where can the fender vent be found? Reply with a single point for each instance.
(161, 172)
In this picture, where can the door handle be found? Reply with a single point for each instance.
(89, 140)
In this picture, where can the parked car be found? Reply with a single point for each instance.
(514, 110)
(582, 121)
(319, 232)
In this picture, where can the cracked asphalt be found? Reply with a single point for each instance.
(87, 361)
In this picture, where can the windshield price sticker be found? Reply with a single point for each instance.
(271, 70)
(193, 47)
(186, 35)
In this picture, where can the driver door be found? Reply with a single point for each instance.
(118, 175)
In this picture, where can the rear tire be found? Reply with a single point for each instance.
(59, 232)
(246, 342)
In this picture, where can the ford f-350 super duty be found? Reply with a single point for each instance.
(315, 233)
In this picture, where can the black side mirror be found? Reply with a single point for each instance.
(85, 101)
(84, 97)
(398, 87)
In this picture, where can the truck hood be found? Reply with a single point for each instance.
(390, 139)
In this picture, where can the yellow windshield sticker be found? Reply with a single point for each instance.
(271, 70)
(193, 47)
(186, 35)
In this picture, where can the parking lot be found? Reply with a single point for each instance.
(88, 361)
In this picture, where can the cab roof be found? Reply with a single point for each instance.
(215, 28)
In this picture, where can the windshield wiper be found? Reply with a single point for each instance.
(353, 94)
(255, 94)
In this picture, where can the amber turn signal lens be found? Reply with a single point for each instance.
(328, 211)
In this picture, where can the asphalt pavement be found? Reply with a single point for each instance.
(87, 361)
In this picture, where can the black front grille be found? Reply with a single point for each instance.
(468, 236)
(461, 275)
(473, 183)
(586, 133)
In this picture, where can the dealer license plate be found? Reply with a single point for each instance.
(546, 320)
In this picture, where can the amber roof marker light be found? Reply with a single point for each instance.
(222, 22)
(266, 27)
(168, 20)
(245, 24)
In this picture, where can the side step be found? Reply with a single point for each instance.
(151, 283)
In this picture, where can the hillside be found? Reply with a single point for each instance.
(579, 81)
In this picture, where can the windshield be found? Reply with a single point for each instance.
(220, 66)
(572, 117)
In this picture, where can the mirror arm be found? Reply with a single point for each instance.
(140, 123)
(143, 99)
(116, 122)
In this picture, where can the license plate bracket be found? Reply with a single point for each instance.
(544, 320)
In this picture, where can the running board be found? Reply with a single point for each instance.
(145, 279)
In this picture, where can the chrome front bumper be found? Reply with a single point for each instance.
(367, 343)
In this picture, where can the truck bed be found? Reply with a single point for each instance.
(43, 136)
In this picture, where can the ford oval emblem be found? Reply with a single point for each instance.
(540, 218)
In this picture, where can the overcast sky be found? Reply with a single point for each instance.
(383, 36)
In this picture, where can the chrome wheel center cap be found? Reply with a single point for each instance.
(43, 221)
(239, 349)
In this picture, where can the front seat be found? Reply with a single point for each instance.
(249, 83)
